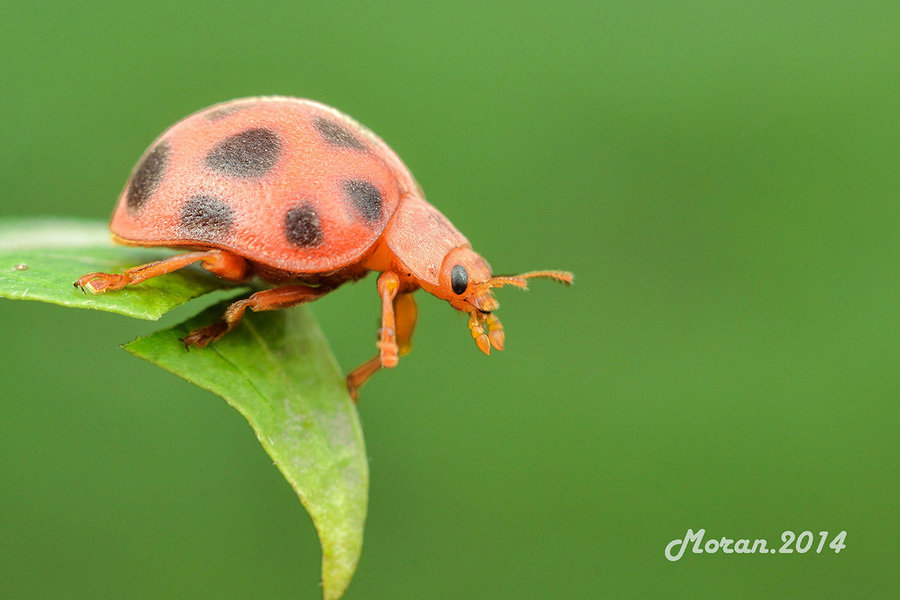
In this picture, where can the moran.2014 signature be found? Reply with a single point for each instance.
(791, 543)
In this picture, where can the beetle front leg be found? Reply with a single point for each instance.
(405, 314)
(398, 320)
(388, 351)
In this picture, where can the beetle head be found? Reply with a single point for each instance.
(466, 281)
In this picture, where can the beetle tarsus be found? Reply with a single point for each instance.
(205, 335)
(360, 374)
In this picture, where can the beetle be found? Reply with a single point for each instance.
(300, 195)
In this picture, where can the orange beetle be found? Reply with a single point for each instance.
(297, 193)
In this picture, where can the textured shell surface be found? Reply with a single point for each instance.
(287, 183)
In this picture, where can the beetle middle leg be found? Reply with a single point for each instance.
(398, 320)
(272, 299)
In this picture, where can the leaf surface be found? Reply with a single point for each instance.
(276, 369)
(41, 258)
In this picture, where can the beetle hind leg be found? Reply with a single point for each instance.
(224, 264)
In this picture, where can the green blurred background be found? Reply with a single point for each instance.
(721, 177)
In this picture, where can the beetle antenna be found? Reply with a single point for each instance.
(563, 277)
(519, 280)
(495, 282)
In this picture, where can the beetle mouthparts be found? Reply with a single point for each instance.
(483, 301)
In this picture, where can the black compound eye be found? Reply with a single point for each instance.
(459, 279)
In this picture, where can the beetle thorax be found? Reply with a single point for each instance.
(418, 239)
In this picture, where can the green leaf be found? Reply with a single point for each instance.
(277, 370)
(40, 258)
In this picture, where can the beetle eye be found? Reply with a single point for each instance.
(459, 279)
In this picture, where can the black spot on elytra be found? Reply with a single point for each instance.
(365, 198)
(147, 177)
(336, 134)
(206, 218)
(249, 153)
(303, 227)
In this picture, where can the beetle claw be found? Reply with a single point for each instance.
(97, 283)
(205, 335)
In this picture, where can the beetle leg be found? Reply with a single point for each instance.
(406, 313)
(361, 374)
(398, 320)
(224, 264)
(272, 299)
(388, 287)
